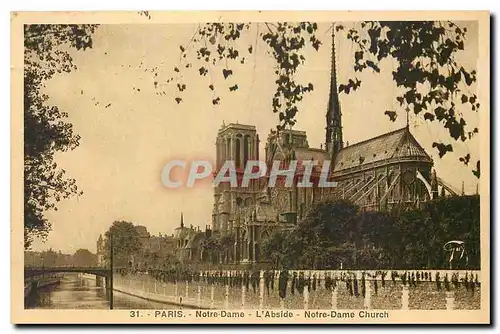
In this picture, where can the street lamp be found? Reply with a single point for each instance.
(110, 278)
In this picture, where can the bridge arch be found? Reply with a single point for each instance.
(98, 271)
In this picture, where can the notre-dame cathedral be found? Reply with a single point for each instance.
(375, 174)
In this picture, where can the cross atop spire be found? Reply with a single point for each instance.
(407, 117)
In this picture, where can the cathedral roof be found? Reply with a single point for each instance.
(391, 145)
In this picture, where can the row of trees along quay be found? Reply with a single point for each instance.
(335, 235)
(430, 82)
(298, 289)
(296, 280)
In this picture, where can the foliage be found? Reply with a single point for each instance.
(214, 46)
(227, 241)
(45, 129)
(126, 242)
(336, 233)
(212, 247)
(273, 248)
(49, 258)
(433, 84)
(84, 258)
(427, 70)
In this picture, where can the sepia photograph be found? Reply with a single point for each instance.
(250, 167)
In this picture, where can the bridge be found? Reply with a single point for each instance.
(106, 273)
(37, 271)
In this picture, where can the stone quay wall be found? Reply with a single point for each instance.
(341, 290)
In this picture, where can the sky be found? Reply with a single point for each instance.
(129, 131)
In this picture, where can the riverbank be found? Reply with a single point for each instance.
(78, 292)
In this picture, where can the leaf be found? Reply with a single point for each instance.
(477, 171)
(465, 159)
(176, 69)
(392, 115)
(226, 73)
(428, 116)
(440, 113)
(358, 55)
(373, 66)
(216, 101)
(464, 98)
(182, 48)
(250, 49)
(316, 44)
(203, 71)
(417, 108)
(233, 88)
(211, 87)
(178, 100)
(442, 148)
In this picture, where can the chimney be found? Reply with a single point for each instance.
(208, 231)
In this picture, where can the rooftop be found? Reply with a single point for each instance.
(396, 144)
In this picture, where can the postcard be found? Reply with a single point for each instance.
(250, 167)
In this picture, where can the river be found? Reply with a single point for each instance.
(74, 292)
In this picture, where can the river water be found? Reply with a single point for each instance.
(75, 292)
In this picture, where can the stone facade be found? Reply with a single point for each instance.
(376, 174)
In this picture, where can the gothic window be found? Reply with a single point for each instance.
(248, 201)
(245, 150)
(238, 153)
(257, 252)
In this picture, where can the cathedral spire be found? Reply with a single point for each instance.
(333, 142)
(407, 118)
(182, 219)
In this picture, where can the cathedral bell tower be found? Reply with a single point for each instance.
(238, 143)
(333, 141)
